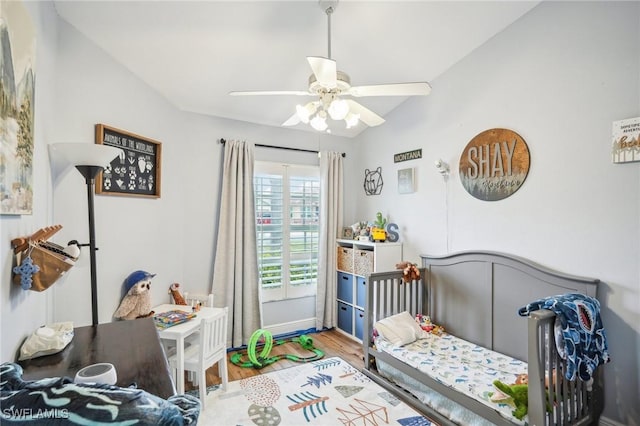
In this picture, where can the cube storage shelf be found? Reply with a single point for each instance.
(355, 259)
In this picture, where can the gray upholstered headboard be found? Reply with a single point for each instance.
(475, 295)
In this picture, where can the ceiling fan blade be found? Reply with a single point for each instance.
(292, 121)
(394, 89)
(272, 92)
(367, 116)
(325, 71)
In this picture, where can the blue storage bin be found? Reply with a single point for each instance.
(359, 323)
(361, 291)
(345, 287)
(345, 318)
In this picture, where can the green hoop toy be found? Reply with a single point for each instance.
(266, 350)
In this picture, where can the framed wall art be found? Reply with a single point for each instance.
(137, 171)
(406, 181)
(625, 147)
(17, 109)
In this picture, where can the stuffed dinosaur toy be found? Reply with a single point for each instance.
(136, 302)
(519, 396)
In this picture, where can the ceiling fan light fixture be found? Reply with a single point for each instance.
(305, 112)
(352, 120)
(319, 122)
(338, 109)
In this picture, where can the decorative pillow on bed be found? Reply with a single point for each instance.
(399, 329)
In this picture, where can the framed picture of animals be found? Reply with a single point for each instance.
(137, 171)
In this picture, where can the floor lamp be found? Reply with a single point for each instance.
(89, 160)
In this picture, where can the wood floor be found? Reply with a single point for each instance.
(331, 342)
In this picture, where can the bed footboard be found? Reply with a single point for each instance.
(553, 400)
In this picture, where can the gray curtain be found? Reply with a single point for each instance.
(235, 273)
(331, 198)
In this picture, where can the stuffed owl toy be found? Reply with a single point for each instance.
(136, 302)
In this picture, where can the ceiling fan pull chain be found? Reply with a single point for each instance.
(329, 12)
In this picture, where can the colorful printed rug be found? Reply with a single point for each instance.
(324, 392)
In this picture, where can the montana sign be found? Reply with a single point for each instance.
(494, 164)
(409, 155)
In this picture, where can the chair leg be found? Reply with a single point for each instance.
(174, 374)
(224, 375)
(202, 386)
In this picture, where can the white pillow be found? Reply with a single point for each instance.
(399, 329)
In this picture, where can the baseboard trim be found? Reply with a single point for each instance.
(290, 327)
(604, 421)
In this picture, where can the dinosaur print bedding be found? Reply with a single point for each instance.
(60, 401)
(458, 364)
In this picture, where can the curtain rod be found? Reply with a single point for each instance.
(222, 141)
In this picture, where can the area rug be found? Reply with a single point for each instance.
(325, 392)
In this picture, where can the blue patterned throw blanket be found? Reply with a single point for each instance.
(585, 343)
(59, 401)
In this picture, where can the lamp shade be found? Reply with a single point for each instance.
(84, 154)
(63, 156)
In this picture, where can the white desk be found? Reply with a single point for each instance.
(177, 333)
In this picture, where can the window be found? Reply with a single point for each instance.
(288, 227)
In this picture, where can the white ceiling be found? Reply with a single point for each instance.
(195, 52)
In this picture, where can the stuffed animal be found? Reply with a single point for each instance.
(410, 271)
(518, 395)
(174, 291)
(424, 321)
(136, 302)
(380, 221)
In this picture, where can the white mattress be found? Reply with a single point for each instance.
(458, 364)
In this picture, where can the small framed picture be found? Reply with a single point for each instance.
(406, 181)
(347, 233)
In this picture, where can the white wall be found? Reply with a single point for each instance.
(22, 310)
(559, 76)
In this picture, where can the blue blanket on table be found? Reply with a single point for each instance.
(585, 343)
(59, 401)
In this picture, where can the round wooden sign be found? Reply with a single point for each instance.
(494, 164)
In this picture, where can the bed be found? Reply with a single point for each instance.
(475, 296)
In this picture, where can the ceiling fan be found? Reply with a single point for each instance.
(329, 86)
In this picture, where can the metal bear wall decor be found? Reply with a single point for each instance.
(373, 181)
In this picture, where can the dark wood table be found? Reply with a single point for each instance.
(133, 347)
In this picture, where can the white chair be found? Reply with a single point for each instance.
(210, 349)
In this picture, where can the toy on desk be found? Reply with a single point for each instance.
(137, 301)
(174, 291)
